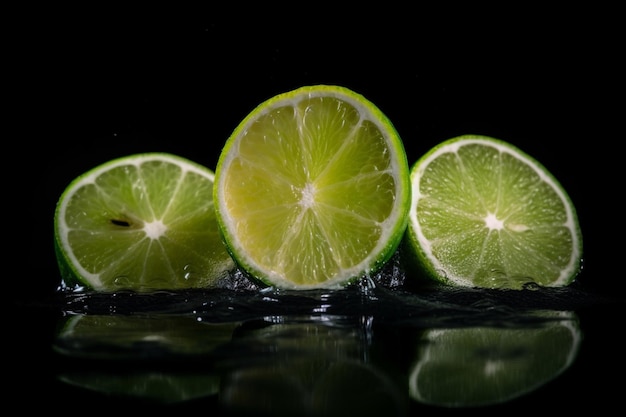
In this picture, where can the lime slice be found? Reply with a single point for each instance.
(479, 366)
(312, 189)
(485, 214)
(141, 222)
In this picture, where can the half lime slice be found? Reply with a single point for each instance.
(486, 214)
(142, 222)
(312, 189)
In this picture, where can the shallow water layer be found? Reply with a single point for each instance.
(377, 347)
(371, 349)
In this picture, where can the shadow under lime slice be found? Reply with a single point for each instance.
(479, 366)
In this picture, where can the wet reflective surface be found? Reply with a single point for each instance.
(378, 347)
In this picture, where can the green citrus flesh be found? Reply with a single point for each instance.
(142, 222)
(312, 189)
(481, 366)
(485, 214)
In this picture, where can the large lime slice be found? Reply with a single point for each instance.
(141, 222)
(312, 189)
(486, 214)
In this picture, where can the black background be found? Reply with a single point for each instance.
(107, 83)
(92, 85)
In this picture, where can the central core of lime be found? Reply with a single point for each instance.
(308, 196)
(493, 222)
(154, 230)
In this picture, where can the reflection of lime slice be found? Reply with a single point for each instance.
(140, 222)
(312, 189)
(291, 367)
(357, 389)
(300, 338)
(123, 337)
(485, 214)
(468, 367)
(310, 386)
(125, 340)
(154, 386)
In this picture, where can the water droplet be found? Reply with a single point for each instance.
(531, 286)
(122, 281)
(367, 284)
(500, 279)
(188, 272)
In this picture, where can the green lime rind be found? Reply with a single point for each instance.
(141, 222)
(349, 259)
(486, 214)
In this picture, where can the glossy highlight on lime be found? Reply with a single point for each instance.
(486, 214)
(312, 189)
(141, 222)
